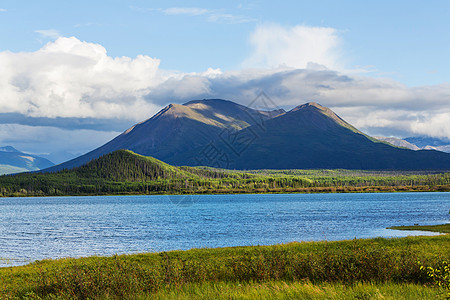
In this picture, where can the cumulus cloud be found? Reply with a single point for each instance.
(70, 84)
(297, 46)
(374, 105)
(71, 78)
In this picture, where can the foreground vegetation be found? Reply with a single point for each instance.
(358, 269)
(124, 172)
(443, 228)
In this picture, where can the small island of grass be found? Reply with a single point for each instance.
(442, 228)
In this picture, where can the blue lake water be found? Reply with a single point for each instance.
(53, 227)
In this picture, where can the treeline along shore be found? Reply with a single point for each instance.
(124, 172)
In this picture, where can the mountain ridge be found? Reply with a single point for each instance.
(418, 143)
(15, 161)
(176, 129)
(221, 133)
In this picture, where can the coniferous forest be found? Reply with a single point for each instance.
(124, 172)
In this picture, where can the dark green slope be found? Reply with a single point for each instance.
(119, 172)
(311, 136)
(124, 172)
(124, 165)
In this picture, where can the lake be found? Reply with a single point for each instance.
(53, 227)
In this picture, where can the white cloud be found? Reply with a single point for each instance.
(2, 10)
(49, 33)
(190, 11)
(212, 15)
(400, 122)
(275, 45)
(374, 105)
(71, 78)
(229, 18)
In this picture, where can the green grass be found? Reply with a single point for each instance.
(358, 269)
(443, 228)
(298, 290)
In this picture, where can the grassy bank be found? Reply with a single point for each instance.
(299, 290)
(443, 228)
(358, 269)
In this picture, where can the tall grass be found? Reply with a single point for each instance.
(347, 263)
(297, 290)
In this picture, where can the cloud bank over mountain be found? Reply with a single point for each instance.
(75, 85)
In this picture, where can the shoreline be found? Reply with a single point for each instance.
(417, 235)
(310, 190)
(344, 263)
(441, 228)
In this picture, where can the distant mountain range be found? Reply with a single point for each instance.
(59, 156)
(14, 161)
(418, 143)
(221, 133)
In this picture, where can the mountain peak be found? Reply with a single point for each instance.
(309, 105)
(221, 133)
(8, 149)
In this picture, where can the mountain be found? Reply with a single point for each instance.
(418, 143)
(424, 141)
(397, 142)
(224, 134)
(443, 148)
(429, 143)
(14, 161)
(178, 129)
(311, 136)
(59, 156)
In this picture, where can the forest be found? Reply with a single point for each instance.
(124, 172)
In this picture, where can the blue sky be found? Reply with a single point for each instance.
(406, 40)
(72, 67)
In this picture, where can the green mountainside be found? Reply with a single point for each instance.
(124, 172)
(124, 165)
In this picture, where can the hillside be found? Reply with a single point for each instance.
(124, 172)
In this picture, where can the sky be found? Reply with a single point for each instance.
(75, 74)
